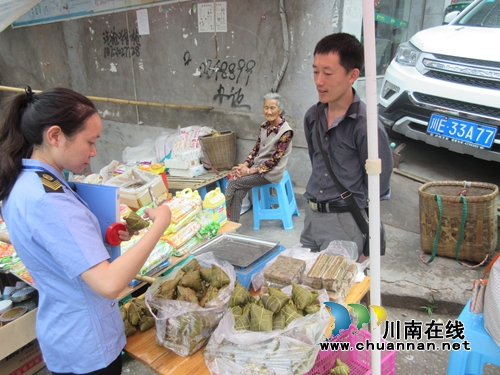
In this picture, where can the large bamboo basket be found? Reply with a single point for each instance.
(220, 149)
(480, 232)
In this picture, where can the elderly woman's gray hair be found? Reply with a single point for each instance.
(277, 97)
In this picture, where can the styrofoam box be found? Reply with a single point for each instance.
(181, 164)
(191, 172)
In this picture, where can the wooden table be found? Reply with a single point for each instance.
(199, 183)
(142, 345)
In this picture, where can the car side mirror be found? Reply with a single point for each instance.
(450, 16)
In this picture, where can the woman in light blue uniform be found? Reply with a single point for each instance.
(58, 238)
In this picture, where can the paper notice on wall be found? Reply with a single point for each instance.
(143, 22)
(208, 22)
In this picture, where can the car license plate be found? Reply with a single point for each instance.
(460, 131)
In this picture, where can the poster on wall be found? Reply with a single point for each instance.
(208, 21)
(60, 10)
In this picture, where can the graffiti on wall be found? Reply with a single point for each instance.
(238, 73)
(121, 43)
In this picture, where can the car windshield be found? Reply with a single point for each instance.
(485, 14)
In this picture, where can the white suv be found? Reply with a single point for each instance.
(443, 86)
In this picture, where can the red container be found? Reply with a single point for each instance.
(359, 361)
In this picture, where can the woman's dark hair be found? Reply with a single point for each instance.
(25, 119)
(347, 46)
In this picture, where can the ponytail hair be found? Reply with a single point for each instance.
(25, 119)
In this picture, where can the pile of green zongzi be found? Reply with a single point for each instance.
(194, 284)
(190, 304)
(135, 314)
(274, 310)
(277, 333)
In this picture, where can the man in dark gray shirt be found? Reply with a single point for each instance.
(340, 119)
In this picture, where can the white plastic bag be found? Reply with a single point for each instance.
(145, 152)
(292, 350)
(165, 143)
(185, 327)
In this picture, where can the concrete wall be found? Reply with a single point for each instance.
(104, 56)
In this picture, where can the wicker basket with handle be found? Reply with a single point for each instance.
(476, 237)
(220, 148)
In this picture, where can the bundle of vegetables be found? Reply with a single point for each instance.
(276, 334)
(135, 315)
(189, 303)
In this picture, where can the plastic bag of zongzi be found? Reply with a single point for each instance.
(292, 350)
(190, 302)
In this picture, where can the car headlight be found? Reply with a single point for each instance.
(407, 54)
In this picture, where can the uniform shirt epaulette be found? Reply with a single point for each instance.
(50, 183)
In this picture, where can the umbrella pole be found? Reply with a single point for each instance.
(373, 168)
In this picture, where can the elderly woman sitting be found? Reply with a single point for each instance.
(266, 162)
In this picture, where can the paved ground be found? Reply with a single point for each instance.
(407, 283)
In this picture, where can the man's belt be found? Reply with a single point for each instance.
(327, 207)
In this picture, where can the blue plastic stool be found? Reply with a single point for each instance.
(221, 184)
(284, 199)
(483, 349)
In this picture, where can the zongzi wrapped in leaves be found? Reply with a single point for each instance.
(242, 321)
(129, 328)
(146, 323)
(290, 313)
(206, 274)
(303, 297)
(123, 312)
(312, 309)
(187, 294)
(134, 313)
(271, 290)
(260, 318)
(279, 321)
(237, 311)
(135, 223)
(219, 278)
(191, 265)
(240, 296)
(192, 280)
(202, 293)
(274, 303)
(166, 287)
(212, 293)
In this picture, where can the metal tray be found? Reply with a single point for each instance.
(239, 250)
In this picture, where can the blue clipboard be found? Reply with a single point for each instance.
(104, 202)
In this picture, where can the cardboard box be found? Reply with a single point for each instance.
(25, 361)
(136, 198)
(18, 333)
(143, 198)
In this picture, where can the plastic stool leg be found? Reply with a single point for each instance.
(474, 364)
(257, 197)
(203, 192)
(223, 184)
(284, 207)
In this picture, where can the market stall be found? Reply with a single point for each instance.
(142, 345)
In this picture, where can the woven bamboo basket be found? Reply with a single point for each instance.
(480, 232)
(220, 149)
